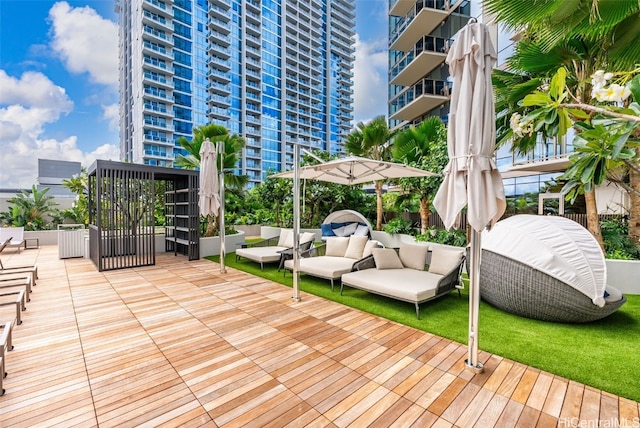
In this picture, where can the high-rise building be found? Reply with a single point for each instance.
(420, 33)
(276, 72)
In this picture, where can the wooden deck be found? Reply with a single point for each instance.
(178, 344)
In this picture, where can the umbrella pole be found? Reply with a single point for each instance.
(474, 302)
(221, 227)
(296, 222)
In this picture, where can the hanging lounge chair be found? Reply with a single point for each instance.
(547, 268)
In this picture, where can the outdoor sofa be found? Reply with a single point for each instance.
(335, 257)
(401, 275)
(344, 223)
(274, 249)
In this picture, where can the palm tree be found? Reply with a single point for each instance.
(582, 36)
(423, 147)
(371, 140)
(233, 145)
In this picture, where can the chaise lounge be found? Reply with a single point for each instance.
(401, 275)
(271, 250)
(547, 268)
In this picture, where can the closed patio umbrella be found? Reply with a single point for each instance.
(471, 178)
(209, 199)
(349, 170)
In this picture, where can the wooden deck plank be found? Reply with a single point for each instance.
(178, 344)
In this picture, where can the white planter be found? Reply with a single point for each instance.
(624, 275)
(210, 246)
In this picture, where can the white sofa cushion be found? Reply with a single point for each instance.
(307, 236)
(329, 267)
(405, 284)
(261, 254)
(362, 230)
(286, 238)
(356, 247)
(369, 246)
(350, 229)
(337, 246)
(413, 256)
(386, 258)
(442, 261)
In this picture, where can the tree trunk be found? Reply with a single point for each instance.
(593, 222)
(634, 208)
(424, 215)
(378, 186)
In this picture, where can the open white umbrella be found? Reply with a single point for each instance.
(349, 170)
(211, 193)
(355, 170)
(471, 177)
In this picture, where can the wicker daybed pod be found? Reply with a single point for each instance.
(547, 268)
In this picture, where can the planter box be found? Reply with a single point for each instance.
(211, 246)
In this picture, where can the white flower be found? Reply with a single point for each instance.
(614, 93)
(519, 127)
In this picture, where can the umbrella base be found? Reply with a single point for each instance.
(477, 369)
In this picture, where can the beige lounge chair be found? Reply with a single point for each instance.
(32, 270)
(15, 236)
(6, 345)
(271, 250)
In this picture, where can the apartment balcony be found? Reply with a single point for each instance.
(218, 25)
(252, 29)
(218, 76)
(157, 154)
(218, 12)
(157, 80)
(218, 101)
(157, 124)
(422, 19)
(225, 4)
(156, 20)
(419, 99)
(159, 8)
(162, 141)
(252, 41)
(157, 51)
(253, 5)
(218, 112)
(157, 110)
(427, 54)
(153, 94)
(400, 7)
(219, 38)
(343, 9)
(221, 52)
(218, 88)
(157, 36)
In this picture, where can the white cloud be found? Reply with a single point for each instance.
(85, 42)
(111, 113)
(27, 104)
(370, 79)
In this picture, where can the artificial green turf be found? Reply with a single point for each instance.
(602, 354)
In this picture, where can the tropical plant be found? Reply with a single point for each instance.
(423, 147)
(233, 145)
(28, 209)
(399, 225)
(372, 140)
(583, 36)
(79, 211)
(453, 237)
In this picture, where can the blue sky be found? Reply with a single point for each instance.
(59, 81)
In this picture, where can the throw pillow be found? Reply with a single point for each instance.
(386, 258)
(413, 256)
(327, 230)
(356, 247)
(369, 246)
(442, 261)
(350, 228)
(362, 230)
(339, 231)
(336, 246)
(307, 236)
(286, 235)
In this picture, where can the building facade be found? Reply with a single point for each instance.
(276, 72)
